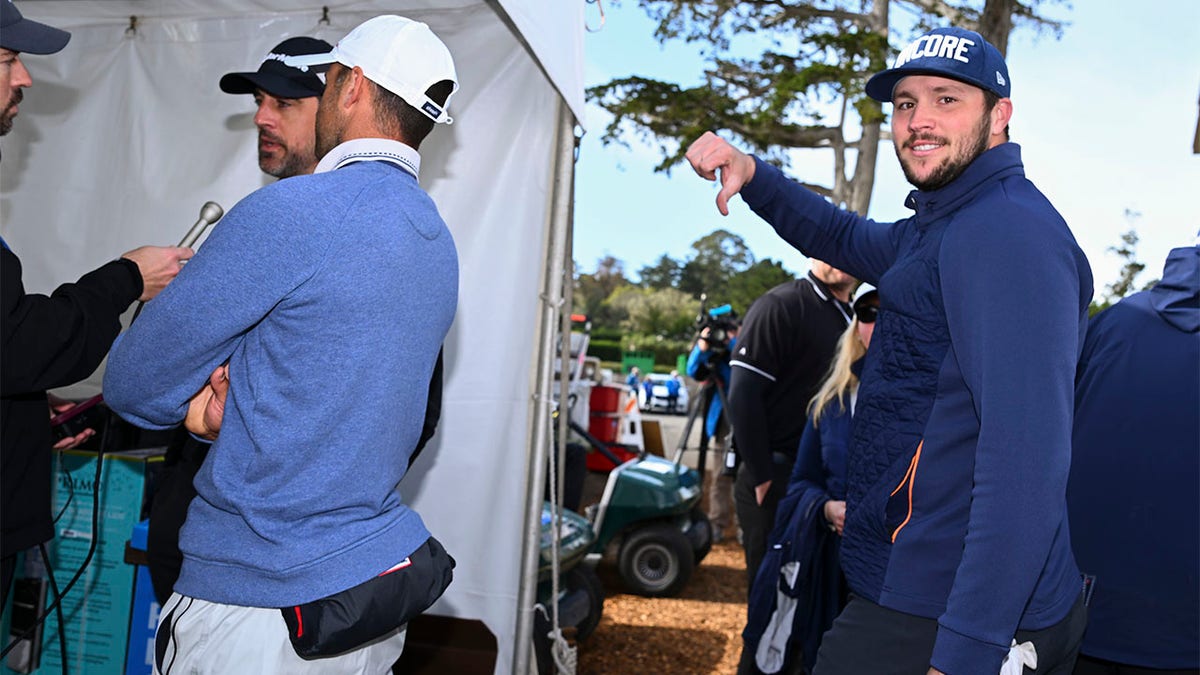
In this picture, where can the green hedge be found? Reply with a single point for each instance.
(605, 350)
(666, 353)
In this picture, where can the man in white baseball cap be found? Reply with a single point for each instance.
(398, 54)
(313, 315)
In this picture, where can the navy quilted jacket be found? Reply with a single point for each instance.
(961, 441)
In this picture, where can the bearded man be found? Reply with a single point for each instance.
(956, 546)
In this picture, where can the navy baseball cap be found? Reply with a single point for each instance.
(955, 53)
(279, 79)
(19, 34)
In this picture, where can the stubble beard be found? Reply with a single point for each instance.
(950, 168)
(270, 165)
(7, 115)
(327, 140)
(287, 165)
(329, 128)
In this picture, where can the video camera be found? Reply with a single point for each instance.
(720, 322)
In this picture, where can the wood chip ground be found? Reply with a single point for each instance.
(697, 633)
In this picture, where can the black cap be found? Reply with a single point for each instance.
(278, 79)
(868, 297)
(19, 34)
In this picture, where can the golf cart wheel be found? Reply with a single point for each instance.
(584, 577)
(700, 534)
(656, 561)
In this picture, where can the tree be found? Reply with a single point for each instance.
(663, 274)
(1132, 267)
(804, 89)
(1127, 251)
(716, 258)
(666, 314)
(591, 290)
(747, 286)
(659, 313)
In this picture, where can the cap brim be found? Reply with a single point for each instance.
(881, 85)
(31, 37)
(303, 61)
(275, 85)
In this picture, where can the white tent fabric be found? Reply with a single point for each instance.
(125, 134)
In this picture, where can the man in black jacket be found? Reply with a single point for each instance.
(782, 355)
(50, 341)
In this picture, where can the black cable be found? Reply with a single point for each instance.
(54, 607)
(70, 498)
(62, 634)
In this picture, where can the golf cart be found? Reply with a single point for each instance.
(649, 519)
(648, 516)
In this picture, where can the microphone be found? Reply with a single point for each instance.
(210, 213)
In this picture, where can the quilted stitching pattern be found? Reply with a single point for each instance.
(899, 386)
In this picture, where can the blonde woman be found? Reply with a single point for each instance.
(821, 460)
(799, 588)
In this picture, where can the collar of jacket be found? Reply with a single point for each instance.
(825, 295)
(994, 164)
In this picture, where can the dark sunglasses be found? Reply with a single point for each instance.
(867, 314)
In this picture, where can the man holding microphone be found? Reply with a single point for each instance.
(50, 341)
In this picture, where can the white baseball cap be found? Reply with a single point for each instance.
(400, 55)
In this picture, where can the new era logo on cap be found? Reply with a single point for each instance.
(949, 52)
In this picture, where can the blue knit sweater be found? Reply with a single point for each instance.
(329, 296)
(961, 443)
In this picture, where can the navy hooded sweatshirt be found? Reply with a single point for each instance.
(961, 442)
(1132, 497)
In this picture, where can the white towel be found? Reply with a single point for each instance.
(1019, 655)
(772, 646)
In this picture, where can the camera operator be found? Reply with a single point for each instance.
(788, 341)
(709, 361)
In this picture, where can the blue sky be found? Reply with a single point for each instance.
(1105, 118)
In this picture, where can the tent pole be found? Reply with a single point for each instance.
(558, 252)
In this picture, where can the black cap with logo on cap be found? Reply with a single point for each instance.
(19, 34)
(279, 79)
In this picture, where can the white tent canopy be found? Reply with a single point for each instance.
(125, 134)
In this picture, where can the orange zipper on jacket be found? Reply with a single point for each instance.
(910, 477)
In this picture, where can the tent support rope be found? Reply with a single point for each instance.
(558, 257)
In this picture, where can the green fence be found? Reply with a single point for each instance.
(644, 360)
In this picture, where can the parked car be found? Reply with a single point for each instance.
(655, 394)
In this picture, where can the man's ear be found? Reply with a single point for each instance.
(1002, 112)
(355, 88)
